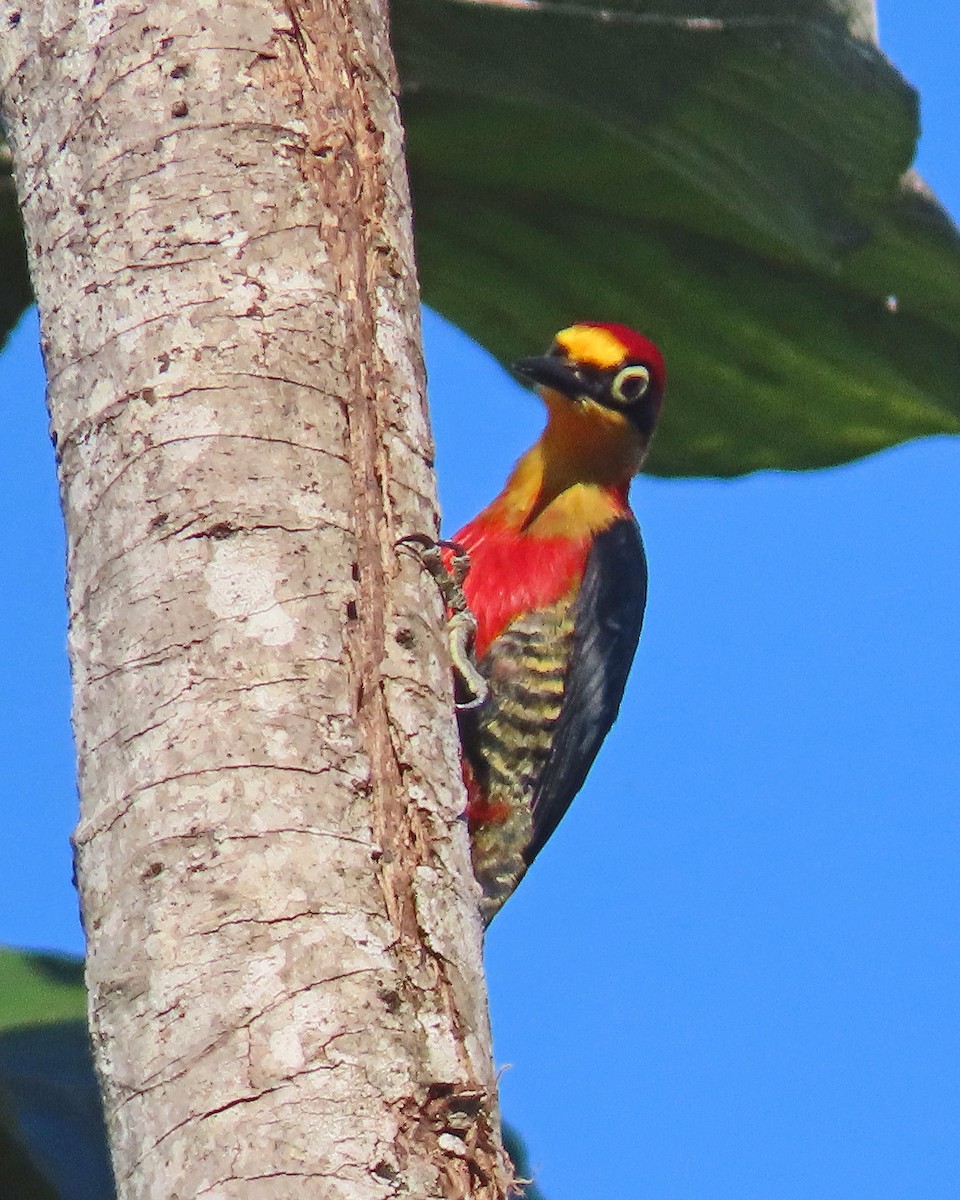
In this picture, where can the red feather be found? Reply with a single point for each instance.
(512, 573)
(636, 345)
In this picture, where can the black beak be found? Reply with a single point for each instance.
(552, 372)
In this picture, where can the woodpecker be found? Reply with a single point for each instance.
(554, 575)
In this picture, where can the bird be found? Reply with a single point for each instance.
(546, 590)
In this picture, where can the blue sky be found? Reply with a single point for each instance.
(734, 972)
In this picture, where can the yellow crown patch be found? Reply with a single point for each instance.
(591, 346)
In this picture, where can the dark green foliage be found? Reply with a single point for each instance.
(516, 1148)
(735, 191)
(15, 293)
(733, 185)
(52, 1140)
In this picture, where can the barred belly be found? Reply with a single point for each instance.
(507, 743)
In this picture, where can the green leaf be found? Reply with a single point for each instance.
(17, 1170)
(733, 185)
(733, 182)
(15, 290)
(38, 989)
(52, 1140)
(517, 1150)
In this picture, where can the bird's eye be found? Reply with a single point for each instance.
(630, 384)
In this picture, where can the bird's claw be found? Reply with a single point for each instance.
(461, 632)
(449, 579)
(461, 623)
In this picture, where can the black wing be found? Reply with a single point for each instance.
(607, 623)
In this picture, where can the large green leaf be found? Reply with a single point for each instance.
(734, 182)
(39, 989)
(15, 292)
(517, 1150)
(733, 185)
(52, 1142)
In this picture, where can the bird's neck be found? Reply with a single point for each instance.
(572, 483)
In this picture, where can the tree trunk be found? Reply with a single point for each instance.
(283, 946)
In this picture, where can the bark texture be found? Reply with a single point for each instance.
(284, 952)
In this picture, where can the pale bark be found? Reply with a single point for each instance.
(284, 952)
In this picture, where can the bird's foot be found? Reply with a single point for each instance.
(449, 571)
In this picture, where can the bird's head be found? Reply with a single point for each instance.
(607, 371)
(603, 387)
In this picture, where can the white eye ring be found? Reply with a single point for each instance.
(630, 384)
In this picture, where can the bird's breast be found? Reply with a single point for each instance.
(512, 573)
(522, 562)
